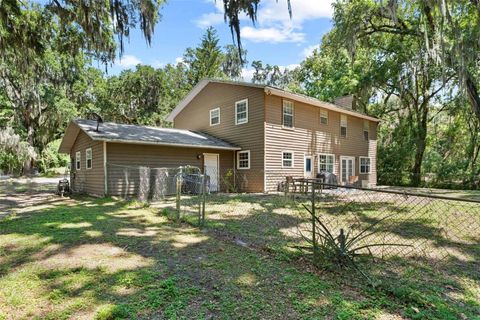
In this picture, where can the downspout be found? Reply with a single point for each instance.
(234, 170)
(105, 181)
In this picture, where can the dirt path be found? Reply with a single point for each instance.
(20, 193)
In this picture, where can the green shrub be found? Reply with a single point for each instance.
(112, 312)
(50, 158)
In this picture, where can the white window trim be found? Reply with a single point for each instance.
(86, 159)
(293, 158)
(341, 169)
(211, 111)
(236, 113)
(238, 159)
(346, 126)
(305, 172)
(293, 115)
(78, 160)
(368, 129)
(360, 165)
(326, 111)
(325, 154)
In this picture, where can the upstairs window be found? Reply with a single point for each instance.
(326, 162)
(78, 159)
(323, 116)
(241, 111)
(365, 165)
(88, 158)
(287, 159)
(366, 129)
(343, 126)
(215, 116)
(243, 159)
(287, 120)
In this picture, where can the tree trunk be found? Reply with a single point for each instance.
(421, 137)
(473, 95)
(416, 173)
(28, 164)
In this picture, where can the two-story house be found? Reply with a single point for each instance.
(259, 133)
(281, 133)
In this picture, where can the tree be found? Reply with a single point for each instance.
(95, 23)
(233, 62)
(37, 87)
(204, 61)
(272, 75)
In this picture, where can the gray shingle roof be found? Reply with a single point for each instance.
(116, 132)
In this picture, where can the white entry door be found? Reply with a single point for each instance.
(211, 169)
(308, 167)
(347, 168)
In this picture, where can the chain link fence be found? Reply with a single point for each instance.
(389, 224)
(314, 218)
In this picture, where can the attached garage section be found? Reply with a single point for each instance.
(123, 160)
(131, 165)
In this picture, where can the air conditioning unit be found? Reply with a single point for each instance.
(365, 184)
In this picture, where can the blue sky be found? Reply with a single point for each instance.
(276, 39)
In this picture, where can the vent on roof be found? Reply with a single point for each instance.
(346, 102)
(99, 120)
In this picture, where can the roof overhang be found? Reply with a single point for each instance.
(179, 145)
(69, 138)
(316, 102)
(73, 130)
(269, 91)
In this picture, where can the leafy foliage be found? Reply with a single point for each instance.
(13, 151)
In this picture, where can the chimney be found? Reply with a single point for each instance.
(348, 102)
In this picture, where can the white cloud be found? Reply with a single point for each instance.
(247, 73)
(271, 11)
(273, 35)
(210, 19)
(274, 23)
(157, 64)
(308, 51)
(178, 60)
(128, 61)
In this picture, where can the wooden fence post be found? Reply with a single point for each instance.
(287, 188)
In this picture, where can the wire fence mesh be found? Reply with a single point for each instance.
(383, 224)
(386, 224)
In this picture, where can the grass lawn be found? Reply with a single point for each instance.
(87, 258)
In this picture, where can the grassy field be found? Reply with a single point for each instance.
(87, 258)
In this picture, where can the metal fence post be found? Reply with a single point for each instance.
(286, 189)
(178, 193)
(204, 196)
(314, 235)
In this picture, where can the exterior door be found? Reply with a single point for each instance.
(347, 168)
(308, 167)
(212, 170)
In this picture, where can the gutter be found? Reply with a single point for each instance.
(316, 102)
(163, 144)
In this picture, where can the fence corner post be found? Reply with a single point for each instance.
(178, 194)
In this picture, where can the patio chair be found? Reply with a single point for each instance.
(291, 183)
(353, 181)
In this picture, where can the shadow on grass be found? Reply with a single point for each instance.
(138, 264)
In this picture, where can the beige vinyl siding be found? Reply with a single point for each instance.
(310, 137)
(248, 136)
(122, 155)
(90, 181)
